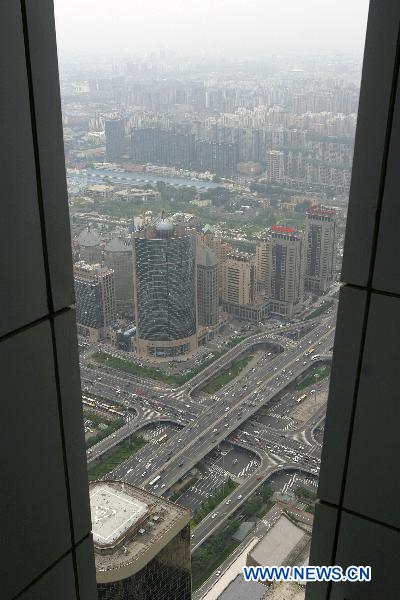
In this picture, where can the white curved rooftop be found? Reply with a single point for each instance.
(89, 237)
(164, 225)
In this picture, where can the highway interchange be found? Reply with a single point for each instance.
(206, 421)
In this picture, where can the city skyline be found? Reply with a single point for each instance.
(209, 30)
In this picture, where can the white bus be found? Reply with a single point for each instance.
(162, 439)
(154, 481)
(303, 397)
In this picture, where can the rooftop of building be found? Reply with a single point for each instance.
(164, 225)
(287, 233)
(321, 211)
(239, 256)
(130, 526)
(163, 228)
(206, 257)
(81, 268)
(280, 229)
(278, 543)
(89, 237)
(118, 244)
(100, 188)
(239, 589)
(243, 530)
(208, 229)
(286, 590)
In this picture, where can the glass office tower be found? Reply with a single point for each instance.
(164, 275)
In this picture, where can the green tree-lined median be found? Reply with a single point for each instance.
(147, 372)
(233, 371)
(124, 451)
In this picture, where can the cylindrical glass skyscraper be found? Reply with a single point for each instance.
(164, 275)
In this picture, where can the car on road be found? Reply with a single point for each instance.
(217, 573)
(228, 501)
(214, 515)
(240, 497)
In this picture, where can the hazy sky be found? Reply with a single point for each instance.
(202, 27)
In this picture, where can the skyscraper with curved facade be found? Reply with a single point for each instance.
(164, 276)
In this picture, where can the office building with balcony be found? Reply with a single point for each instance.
(239, 293)
(118, 257)
(280, 270)
(219, 248)
(275, 165)
(95, 300)
(320, 239)
(141, 544)
(89, 246)
(164, 278)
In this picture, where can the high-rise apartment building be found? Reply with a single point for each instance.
(275, 165)
(141, 544)
(118, 257)
(219, 247)
(164, 277)
(280, 270)
(162, 146)
(320, 233)
(239, 296)
(238, 279)
(89, 246)
(115, 139)
(219, 158)
(95, 299)
(207, 286)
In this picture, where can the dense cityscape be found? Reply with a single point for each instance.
(208, 204)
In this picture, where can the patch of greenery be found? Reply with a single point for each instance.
(314, 377)
(303, 493)
(235, 341)
(124, 451)
(212, 553)
(320, 310)
(150, 373)
(216, 384)
(213, 501)
(258, 504)
(112, 425)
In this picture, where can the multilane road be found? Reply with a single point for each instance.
(207, 426)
